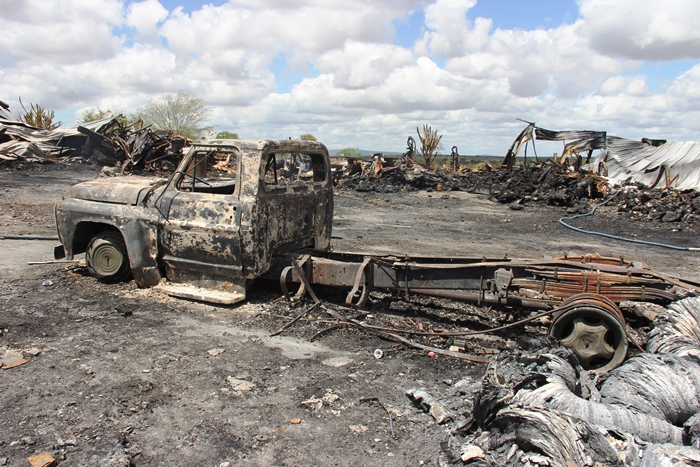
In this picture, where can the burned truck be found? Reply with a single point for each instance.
(215, 224)
(235, 211)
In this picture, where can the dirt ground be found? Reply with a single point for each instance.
(118, 375)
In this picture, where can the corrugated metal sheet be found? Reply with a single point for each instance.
(651, 162)
(643, 163)
(581, 140)
(25, 141)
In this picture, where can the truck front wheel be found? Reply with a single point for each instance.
(106, 257)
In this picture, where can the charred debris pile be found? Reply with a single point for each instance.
(545, 183)
(532, 403)
(540, 408)
(106, 142)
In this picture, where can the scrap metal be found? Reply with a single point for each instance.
(646, 412)
(499, 281)
(649, 161)
(107, 142)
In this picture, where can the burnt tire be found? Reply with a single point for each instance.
(106, 258)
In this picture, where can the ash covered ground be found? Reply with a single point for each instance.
(118, 375)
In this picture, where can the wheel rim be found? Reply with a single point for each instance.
(595, 334)
(105, 258)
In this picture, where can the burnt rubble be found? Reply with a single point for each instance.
(130, 147)
(664, 205)
(540, 407)
(545, 183)
(106, 142)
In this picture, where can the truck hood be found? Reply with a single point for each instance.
(117, 190)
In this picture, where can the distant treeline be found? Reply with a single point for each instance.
(444, 160)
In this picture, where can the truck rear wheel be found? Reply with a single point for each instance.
(594, 328)
(106, 258)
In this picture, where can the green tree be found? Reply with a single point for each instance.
(308, 137)
(226, 135)
(182, 113)
(38, 117)
(430, 144)
(91, 114)
(350, 153)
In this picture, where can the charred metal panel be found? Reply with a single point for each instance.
(141, 237)
(333, 273)
(138, 226)
(119, 190)
(200, 234)
(252, 237)
(285, 208)
(421, 277)
(203, 228)
(208, 280)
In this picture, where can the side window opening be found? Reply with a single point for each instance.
(294, 169)
(211, 171)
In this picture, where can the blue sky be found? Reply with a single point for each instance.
(361, 73)
(526, 15)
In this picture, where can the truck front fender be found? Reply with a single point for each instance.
(78, 220)
(141, 240)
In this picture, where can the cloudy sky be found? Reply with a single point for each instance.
(366, 73)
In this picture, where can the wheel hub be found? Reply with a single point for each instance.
(593, 327)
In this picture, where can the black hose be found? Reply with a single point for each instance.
(25, 237)
(624, 239)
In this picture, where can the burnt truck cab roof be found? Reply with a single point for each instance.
(269, 160)
(217, 221)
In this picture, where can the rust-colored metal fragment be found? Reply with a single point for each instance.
(504, 282)
(43, 459)
(11, 359)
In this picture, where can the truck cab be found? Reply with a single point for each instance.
(210, 228)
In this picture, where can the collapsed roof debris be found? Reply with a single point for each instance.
(651, 162)
(678, 163)
(106, 142)
(573, 180)
(389, 175)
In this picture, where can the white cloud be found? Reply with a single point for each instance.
(303, 31)
(145, 16)
(358, 65)
(66, 31)
(449, 31)
(280, 68)
(632, 86)
(643, 29)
